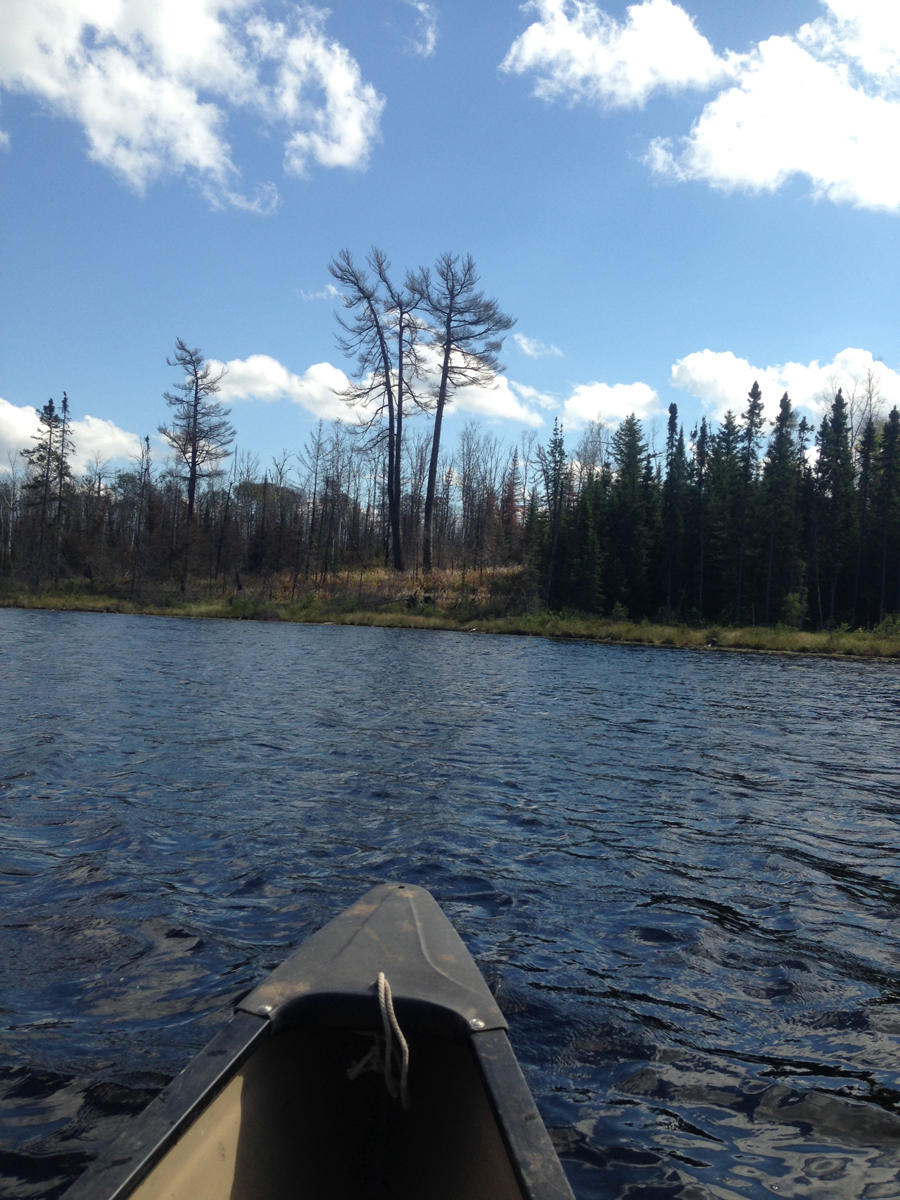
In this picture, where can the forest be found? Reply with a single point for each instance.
(762, 519)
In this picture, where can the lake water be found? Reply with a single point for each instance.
(679, 872)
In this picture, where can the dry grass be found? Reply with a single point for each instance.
(447, 601)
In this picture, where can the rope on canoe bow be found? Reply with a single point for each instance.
(392, 1025)
(375, 1060)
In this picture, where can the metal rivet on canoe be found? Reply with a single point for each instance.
(476, 1024)
(264, 1008)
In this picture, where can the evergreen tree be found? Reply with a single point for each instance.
(723, 516)
(779, 484)
(48, 471)
(835, 506)
(555, 470)
(628, 518)
(864, 493)
(887, 464)
(698, 476)
(751, 428)
(674, 492)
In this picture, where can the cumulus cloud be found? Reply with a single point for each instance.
(823, 103)
(578, 52)
(151, 85)
(92, 437)
(612, 402)
(497, 403)
(535, 349)
(261, 377)
(721, 380)
(426, 34)
(532, 396)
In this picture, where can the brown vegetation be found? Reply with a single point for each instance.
(455, 601)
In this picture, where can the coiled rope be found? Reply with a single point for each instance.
(392, 1025)
(375, 1060)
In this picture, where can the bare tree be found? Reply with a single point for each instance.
(200, 432)
(144, 464)
(467, 332)
(382, 335)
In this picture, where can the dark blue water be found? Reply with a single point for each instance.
(679, 872)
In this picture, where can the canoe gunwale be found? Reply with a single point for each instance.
(531, 1152)
(137, 1150)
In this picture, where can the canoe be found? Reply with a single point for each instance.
(373, 1064)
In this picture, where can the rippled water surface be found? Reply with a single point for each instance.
(678, 871)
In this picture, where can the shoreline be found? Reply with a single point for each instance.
(865, 645)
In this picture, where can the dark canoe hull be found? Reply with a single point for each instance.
(268, 1111)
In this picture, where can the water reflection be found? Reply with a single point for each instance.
(677, 870)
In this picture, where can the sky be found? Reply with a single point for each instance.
(671, 199)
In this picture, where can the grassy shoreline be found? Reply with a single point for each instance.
(865, 644)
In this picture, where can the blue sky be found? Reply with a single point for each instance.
(671, 200)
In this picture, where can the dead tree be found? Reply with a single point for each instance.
(466, 335)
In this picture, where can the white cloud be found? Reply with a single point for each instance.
(497, 403)
(261, 377)
(328, 292)
(578, 52)
(92, 437)
(593, 401)
(535, 349)
(336, 133)
(151, 83)
(426, 27)
(533, 396)
(824, 104)
(18, 423)
(721, 380)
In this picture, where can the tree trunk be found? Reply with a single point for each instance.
(435, 451)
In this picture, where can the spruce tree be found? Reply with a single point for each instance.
(835, 507)
(48, 470)
(887, 463)
(723, 515)
(555, 470)
(698, 484)
(779, 482)
(629, 532)
(751, 428)
(674, 492)
(864, 492)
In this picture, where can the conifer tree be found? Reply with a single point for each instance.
(723, 515)
(864, 491)
(467, 329)
(586, 588)
(751, 428)
(674, 490)
(47, 470)
(887, 464)
(555, 469)
(834, 475)
(700, 438)
(200, 432)
(628, 515)
(779, 482)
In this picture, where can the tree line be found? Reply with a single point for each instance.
(757, 520)
(754, 522)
